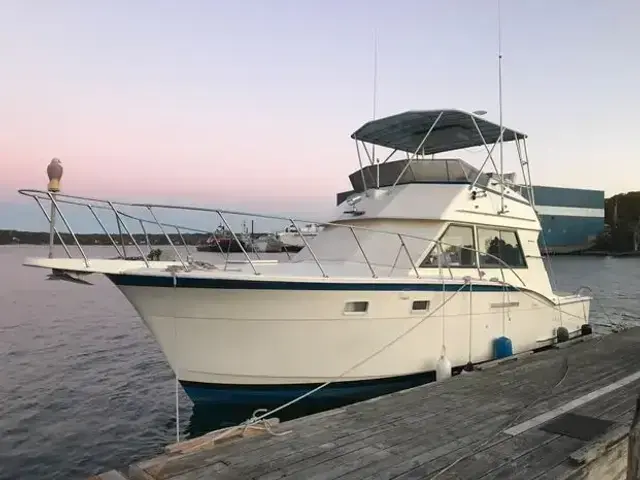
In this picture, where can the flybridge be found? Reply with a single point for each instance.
(420, 170)
(423, 133)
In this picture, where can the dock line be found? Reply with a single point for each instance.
(261, 418)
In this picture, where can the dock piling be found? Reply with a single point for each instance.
(633, 455)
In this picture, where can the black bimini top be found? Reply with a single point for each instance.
(449, 130)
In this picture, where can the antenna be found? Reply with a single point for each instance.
(375, 91)
(500, 110)
(375, 71)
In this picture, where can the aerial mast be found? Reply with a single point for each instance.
(375, 91)
(500, 110)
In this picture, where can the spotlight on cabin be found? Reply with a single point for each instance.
(353, 201)
(54, 172)
(479, 113)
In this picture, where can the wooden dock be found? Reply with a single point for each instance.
(563, 413)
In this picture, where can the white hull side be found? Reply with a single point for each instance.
(284, 337)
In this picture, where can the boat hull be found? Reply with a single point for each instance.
(246, 341)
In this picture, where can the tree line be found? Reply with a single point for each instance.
(622, 223)
(8, 237)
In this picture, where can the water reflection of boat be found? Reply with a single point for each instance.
(223, 241)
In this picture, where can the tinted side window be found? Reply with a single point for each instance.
(502, 244)
(457, 249)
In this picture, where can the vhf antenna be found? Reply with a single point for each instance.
(500, 110)
(375, 91)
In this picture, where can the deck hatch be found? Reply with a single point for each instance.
(577, 426)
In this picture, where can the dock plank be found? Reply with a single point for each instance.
(406, 430)
(502, 451)
(451, 429)
(395, 444)
(410, 457)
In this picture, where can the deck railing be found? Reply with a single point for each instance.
(117, 209)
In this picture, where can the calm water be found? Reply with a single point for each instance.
(84, 388)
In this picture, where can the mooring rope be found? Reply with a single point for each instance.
(524, 409)
(572, 315)
(175, 347)
(608, 317)
(259, 424)
(507, 424)
(261, 418)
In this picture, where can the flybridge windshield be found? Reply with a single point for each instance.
(419, 171)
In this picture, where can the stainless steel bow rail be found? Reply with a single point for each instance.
(94, 205)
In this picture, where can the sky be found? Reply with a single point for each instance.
(250, 104)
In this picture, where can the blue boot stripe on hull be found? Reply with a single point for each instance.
(204, 393)
(223, 283)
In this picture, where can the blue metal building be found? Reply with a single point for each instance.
(571, 218)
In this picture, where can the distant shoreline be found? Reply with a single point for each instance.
(22, 237)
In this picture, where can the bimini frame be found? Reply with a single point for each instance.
(428, 132)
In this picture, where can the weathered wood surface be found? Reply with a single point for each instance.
(448, 430)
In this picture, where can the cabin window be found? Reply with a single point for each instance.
(457, 249)
(356, 307)
(503, 244)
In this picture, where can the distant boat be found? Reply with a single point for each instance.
(223, 241)
(291, 237)
(267, 243)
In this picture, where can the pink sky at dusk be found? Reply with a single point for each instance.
(247, 104)
(151, 153)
